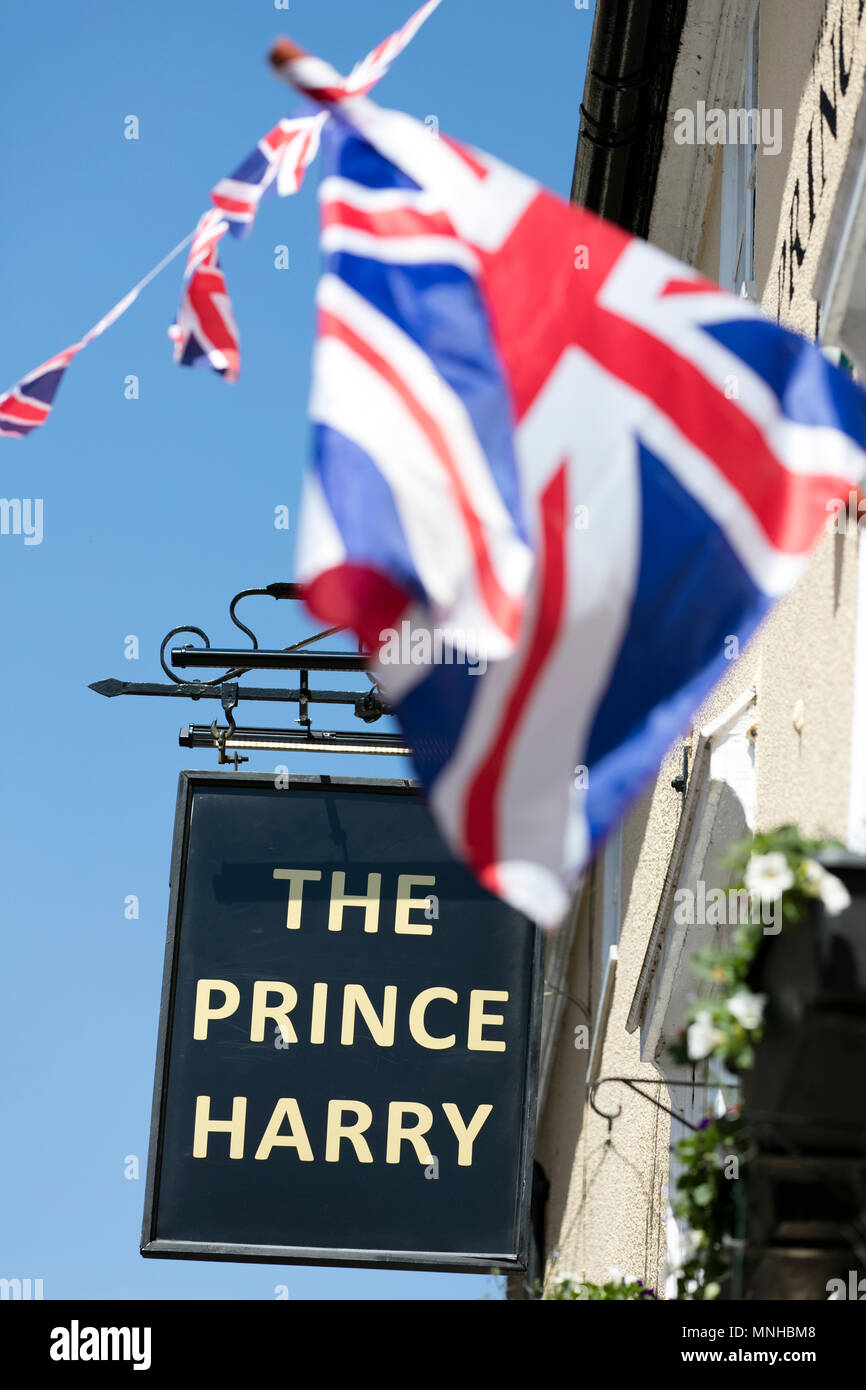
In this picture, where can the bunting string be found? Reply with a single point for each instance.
(204, 332)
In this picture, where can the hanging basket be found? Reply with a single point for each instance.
(805, 1100)
(805, 1090)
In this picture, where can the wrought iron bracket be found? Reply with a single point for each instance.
(229, 701)
(368, 706)
(633, 1082)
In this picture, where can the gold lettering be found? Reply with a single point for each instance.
(354, 1133)
(477, 1018)
(317, 1023)
(405, 904)
(203, 1011)
(286, 1108)
(466, 1134)
(204, 1126)
(341, 900)
(381, 1030)
(397, 1133)
(416, 1018)
(297, 878)
(278, 1012)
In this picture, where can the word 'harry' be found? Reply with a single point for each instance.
(339, 1128)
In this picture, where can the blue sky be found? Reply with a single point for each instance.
(155, 511)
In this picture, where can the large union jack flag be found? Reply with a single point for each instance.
(571, 455)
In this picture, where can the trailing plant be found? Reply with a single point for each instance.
(779, 877)
(706, 1203)
(618, 1288)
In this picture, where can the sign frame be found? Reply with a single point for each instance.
(515, 1262)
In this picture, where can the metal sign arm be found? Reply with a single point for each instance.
(367, 705)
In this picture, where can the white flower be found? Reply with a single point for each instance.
(831, 890)
(690, 1243)
(834, 895)
(814, 871)
(702, 1036)
(567, 1285)
(747, 1008)
(615, 1276)
(768, 875)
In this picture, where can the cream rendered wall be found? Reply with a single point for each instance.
(795, 223)
(608, 1199)
(801, 662)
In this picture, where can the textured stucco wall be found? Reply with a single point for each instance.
(823, 124)
(805, 650)
(608, 1200)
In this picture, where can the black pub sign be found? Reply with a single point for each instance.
(348, 1036)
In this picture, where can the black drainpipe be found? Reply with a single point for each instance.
(624, 110)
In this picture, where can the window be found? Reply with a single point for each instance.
(739, 179)
(718, 811)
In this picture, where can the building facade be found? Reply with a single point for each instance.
(742, 152)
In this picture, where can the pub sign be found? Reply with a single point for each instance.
(348, 1036)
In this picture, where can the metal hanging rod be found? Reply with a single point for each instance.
(284, 741)
(197, 690)
(258, 660)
